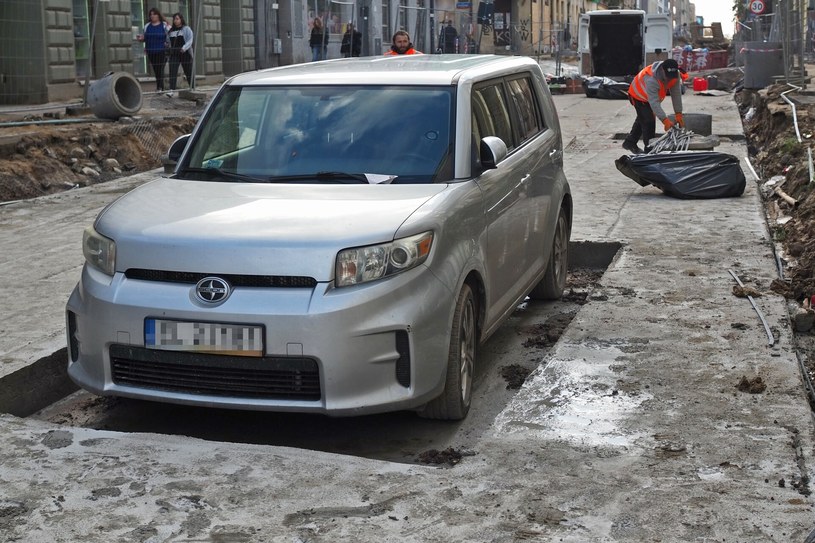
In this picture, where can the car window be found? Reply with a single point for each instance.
(491, 113)
(235, 124)
(528, 117)
(301, 130)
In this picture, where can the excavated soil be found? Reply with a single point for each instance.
(783, 164)
(776, 153)
(56, 147)
(43, 159)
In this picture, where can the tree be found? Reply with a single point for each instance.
(740, 9)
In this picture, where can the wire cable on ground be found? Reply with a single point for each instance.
(770, 338)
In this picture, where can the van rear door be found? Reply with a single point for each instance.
(584, 45)
(658, 38)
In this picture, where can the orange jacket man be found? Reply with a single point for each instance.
(401, 45)
(646, 94)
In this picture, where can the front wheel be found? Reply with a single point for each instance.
(454, 402)
(554, 281)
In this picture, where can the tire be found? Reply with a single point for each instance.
(454, 402)
(554, 281)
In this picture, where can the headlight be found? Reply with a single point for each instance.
(363, 264)
(99, 251)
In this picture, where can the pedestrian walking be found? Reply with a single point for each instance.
(180, 51)
(646, 93)
(401, 45)
(318, 40)
(156, 42)
(351, 45)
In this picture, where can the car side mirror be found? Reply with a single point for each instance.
(178, 147)
(493, 151)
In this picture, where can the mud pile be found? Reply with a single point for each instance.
(47, 158)
(777, 154)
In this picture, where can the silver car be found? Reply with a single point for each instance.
(338, 237)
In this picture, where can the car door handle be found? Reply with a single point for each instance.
(525, 178)
(553, 153)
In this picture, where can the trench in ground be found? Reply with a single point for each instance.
(518, 348)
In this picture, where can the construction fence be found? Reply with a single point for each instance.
(784, 37)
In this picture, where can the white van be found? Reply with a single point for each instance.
(620, 43)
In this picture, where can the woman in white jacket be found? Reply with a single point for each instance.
(180, 51)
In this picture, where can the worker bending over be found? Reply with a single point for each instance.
(646, 93)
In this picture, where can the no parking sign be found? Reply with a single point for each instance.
(757, 6)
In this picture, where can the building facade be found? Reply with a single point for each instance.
(50, 48)
(683, 12)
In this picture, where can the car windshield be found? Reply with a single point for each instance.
(318, 134)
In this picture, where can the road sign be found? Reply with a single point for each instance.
(757, 6)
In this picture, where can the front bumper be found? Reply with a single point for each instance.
(350, 334)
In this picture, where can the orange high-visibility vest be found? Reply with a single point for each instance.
(637, 88)
(410, 51)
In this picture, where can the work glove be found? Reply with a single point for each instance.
(668, 124)
(680, 120)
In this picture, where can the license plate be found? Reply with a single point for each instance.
(204, 337)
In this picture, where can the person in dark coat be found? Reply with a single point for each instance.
(318, 40)
(450, 36)
(351, 45)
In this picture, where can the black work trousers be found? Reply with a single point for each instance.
(185, 61)
(645, 125)
(157, 61)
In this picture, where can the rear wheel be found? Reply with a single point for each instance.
(554, 281)
(454, 402)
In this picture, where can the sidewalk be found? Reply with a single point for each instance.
(632, 429)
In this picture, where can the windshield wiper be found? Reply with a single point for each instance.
(338, 177)
(231, 176)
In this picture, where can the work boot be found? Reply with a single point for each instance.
(633, 148)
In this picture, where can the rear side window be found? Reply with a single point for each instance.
(528, 123)
(491, 113)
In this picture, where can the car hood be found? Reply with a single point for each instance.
(243, 228)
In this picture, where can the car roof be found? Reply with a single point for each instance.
(388, 70)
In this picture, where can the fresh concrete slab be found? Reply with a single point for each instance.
(634, 428)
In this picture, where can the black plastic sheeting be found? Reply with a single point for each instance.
(686, 175)
(603, 87)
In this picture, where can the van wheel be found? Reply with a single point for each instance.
(454, 402)
(554, 281)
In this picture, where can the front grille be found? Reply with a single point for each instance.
(269, 378)
(236, 280)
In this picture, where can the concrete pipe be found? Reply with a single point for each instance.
(116, 94)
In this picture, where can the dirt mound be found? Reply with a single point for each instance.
(43, 159)
(775, 151)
